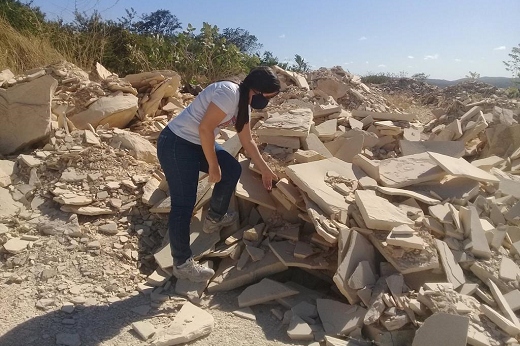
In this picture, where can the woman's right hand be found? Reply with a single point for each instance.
(214, 174)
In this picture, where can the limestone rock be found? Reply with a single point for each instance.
(139, 147)
(378, 213)
(264, 291)
(443, 329)
(293, 123)
(17, 111)
(189, 324)
(8, 206)
(6, 170)
(116, 111)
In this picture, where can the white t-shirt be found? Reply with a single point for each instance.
(224, 95)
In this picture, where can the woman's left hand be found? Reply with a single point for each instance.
(267, 178)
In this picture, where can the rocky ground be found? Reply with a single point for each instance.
(380, 230)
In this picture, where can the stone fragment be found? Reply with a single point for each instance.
(502, 303)
(450, 148)
(251, 188)
(144, 329)
(407, 193)
(327, 129)
(443, 329)
(462, 168)
(412, 241)
(116, 111)
(189, 324)
(472, 224)
(246, 313)
(513, 299)
(305, 156)
(266, 290)
(86, 210)
(151, 192)
(409, 170)
(453, 271)
(339, 318)
(502, 322)
(310, 178)
(281, 141)
(378, 213)
(6, 171)
(362, 276)
(293, 123)
(139, 147)
(509, 270)
(359, 250)
(15, 245)
(8, 206)
(16, 110)
(312, 142)
(299, 330)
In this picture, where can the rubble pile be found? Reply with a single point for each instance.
(417, 243)
(413, 88)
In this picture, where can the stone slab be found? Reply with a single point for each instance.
(442, 329)
(453, 271)
(339, 318)
(264, 291)
(251, 188)
(312, 142)
(190, 323)
(407, 193)
(310, 178)
(462, 168)
(281, 141)
(450, 148)
(378, 213)
(409, 170)
(383, 115)
(293, 123)
(284, 250)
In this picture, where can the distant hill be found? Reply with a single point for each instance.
(499, 82)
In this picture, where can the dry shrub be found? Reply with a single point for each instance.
(21, 52)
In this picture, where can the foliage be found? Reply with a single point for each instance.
(23, 17)
(513, 93)
(420, 76)
(377, 78)
(242, 39)
(131, 44)
(473, 75)
(300, 65)
(513, 65)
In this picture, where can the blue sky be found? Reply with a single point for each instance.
(443, 38)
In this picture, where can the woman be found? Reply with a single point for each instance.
(187, 146)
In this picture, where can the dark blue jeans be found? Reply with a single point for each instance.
(181, 162)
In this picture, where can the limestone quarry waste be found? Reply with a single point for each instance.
(413, 226)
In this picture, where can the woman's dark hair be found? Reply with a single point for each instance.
(261, 79)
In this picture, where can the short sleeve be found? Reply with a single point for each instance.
(225, 98)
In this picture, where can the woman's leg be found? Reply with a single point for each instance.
(230, 173)
(180, 161)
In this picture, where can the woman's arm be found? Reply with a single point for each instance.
(213, 117)
(250, 146)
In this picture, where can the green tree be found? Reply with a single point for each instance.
(420, 76)
(23, 17)
(513, 65)
(160, 22)
(473, 75)
(300, 65)
(242, 39)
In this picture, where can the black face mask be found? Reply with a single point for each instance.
(259, 101)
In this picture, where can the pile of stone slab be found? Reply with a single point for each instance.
(413, 237)
(416, 243)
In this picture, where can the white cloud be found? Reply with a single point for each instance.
(410, 56)
(366, 62)
(500, 48)
(458, 60)
(362, 38)
(382, 65)
(348, 62)
(282, 36)
(432, 57)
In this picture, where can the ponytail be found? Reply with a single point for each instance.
(243, 108)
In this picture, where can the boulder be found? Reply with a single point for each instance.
(117, 111)
(139, 147)
(17, 109)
